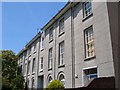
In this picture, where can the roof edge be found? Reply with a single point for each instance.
(59, 14)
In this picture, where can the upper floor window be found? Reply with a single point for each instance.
(87, 9)
(50, 58)
(28, 68)
(33, 65)
(51, 34)
(41, 64)
(61, 53)
(29, 51)
(21, 57)
(89, 43)
(25, 54)
(42, 43)
(34, 46)
(61, 26)
(25, 69)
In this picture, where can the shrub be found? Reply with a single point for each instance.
(55, 84)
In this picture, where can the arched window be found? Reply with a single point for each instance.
(62, 78)
(49, 79)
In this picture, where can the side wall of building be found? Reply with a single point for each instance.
(113, 12)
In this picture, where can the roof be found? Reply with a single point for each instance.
(30, 42)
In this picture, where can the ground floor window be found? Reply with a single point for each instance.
(28, 83)
(33, 83)
(49, 79)
(62, 79)
(90, 74)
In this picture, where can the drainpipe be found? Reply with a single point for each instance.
(55, 51)
(72, 46)
(38, 58)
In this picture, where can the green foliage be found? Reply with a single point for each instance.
(9, 64)
(55, 84)
(17, 83)
(10, 78)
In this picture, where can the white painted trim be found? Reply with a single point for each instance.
(90, 67)
(83, 73)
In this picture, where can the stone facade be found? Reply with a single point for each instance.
(77, 69)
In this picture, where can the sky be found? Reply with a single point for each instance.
(20, 21)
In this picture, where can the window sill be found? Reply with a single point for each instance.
(50, 40)
(41, 70)
(89, 58)
(63, 65)
(61, 33)
(29, 55)
(34, 52)
(33, 73)
(49, 69)
(85, 18)
(42, 49)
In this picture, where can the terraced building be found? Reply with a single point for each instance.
(80, 43)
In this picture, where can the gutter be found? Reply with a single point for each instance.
(73, 45)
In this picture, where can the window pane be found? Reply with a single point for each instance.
(50, 58)
(33, 67)
(41, 63)
(87, 7)
(90, 74)
(51, 34)
(89, 42)
(61, 53)
(61, 25)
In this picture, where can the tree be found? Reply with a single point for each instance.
(10, 78)
(54, 85)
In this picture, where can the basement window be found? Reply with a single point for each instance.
(90, 74)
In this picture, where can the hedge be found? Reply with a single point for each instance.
(55, 84)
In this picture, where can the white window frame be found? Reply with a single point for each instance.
(62, 80)
(88, 68)
(61, 26)
(34, 46)
(50, 58)
(41, 64)
(28, 67)
(89, 42)
(51, 34)
(42, 43)
(33, 65)
(25, 69)
(61, 53)
(49, 79)
(87, 9)
(29, 50)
